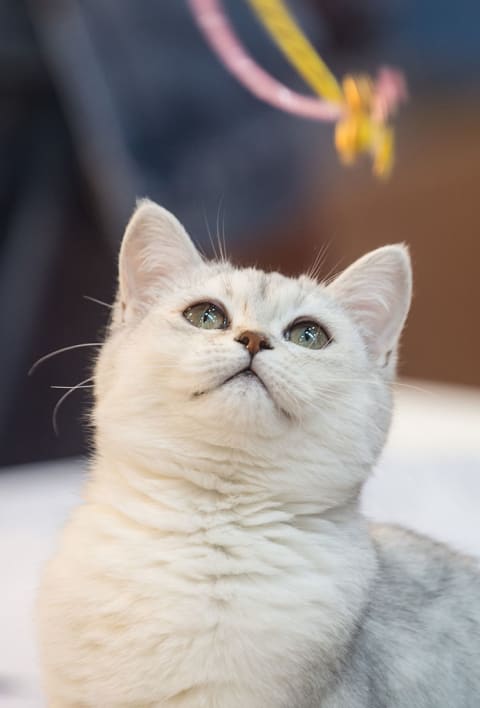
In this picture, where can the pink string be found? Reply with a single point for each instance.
(218, 32)
(390, 90)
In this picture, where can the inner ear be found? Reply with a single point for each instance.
(376, 292)
(156, 250)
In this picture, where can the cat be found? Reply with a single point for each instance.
(219, 558)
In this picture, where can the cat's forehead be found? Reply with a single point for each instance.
(253, 289)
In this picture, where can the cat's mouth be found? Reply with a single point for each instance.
(247, 373)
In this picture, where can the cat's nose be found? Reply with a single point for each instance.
(254, 341)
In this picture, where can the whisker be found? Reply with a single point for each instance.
(215, 254)
(314, 271)
(224, 235)
(200, 249)
(333, 273)
(309, 273)
(395, 384)
(60, 351)
(221, 244)
(379, 382)
(420, 389)
(97, 301)
(63, 398)
(221, 259)
(74, 386)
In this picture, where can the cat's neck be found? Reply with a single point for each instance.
(218, 457)
(210, 479)
(212, 495)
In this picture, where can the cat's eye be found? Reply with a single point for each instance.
(307, 334)
(206, 315)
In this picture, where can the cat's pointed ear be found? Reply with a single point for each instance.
(376, 291)
(155, 250)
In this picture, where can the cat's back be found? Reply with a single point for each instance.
(423, 573)
(418, 642)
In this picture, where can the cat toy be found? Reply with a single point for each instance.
(359, 106)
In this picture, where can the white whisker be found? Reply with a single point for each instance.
(64, 397)
(74, 386)
(223, 235)
(220, 241)
(215, 254)
(60, 351)
(314, 271)
(97, 301)
(420, 389)
(332, 273)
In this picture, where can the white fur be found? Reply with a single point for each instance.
(219, 545)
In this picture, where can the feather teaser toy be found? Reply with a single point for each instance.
(359, 106)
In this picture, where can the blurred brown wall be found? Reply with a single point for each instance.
(432, 202)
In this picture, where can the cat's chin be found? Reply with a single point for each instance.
(244, 404)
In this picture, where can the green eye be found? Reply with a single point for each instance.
(307, 334)
(206, 315)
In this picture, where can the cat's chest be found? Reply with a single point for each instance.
(229, 588)
(221, 619)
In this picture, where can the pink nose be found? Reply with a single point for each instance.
(254, 341)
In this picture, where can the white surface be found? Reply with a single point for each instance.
(429, 475)
(428, 479)
(34, 502)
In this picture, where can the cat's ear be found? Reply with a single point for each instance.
(155, 250)
(376, 291)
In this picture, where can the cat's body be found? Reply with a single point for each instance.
(417, 644)
(219, 559)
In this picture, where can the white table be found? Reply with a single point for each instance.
(428, 479)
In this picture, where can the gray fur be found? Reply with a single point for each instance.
(417, 644)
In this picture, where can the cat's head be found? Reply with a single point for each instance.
(203, 351)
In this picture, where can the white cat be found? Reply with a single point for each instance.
(219, 559)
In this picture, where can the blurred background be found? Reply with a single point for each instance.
(102, 101)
